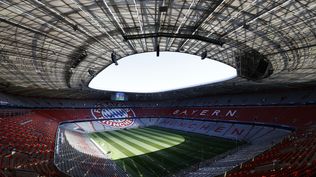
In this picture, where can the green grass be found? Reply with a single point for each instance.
(157, 151)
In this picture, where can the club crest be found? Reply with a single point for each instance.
(106, 113)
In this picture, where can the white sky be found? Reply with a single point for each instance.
(146, 73)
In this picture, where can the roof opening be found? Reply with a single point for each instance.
(146, 73)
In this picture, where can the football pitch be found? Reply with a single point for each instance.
(157, 151)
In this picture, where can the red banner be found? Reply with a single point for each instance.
(286, 115)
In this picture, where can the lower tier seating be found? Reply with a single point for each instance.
(294, 156)
(27, 145)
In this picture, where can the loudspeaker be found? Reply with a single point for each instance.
(157, 50)
(113, 57)
(252, 65)
(204, 55)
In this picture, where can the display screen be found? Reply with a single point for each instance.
(119, 96)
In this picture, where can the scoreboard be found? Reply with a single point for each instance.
(119, 96)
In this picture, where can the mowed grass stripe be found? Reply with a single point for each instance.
(160, 136)
(115, 153)
(116, 145)
(132, 165)
(170, 158)
(127, 139)
(182, 133)
(171, 136)
(153, 162)
(154, 141)
(187, 150)
(181, 151)
(166, 137)
(196, 142)
(143, 140)
(124, 164)
(212, 141)
(136, 141)
(113, 147)
(135, 146)
(159, 131)
(149, 163)
(134, 151)
(165, 161)
(167, 156)
(193, 144)
(160, 139)
(149, 138)
(214, 145)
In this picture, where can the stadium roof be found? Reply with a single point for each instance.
(52, 48)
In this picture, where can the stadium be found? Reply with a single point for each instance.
(259, 123)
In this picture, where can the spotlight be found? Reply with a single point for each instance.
(83, 55)
(204, 55)
(91, 72)
(75, 27)
(245, 26)
(113, 57)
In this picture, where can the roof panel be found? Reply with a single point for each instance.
(41, 41)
